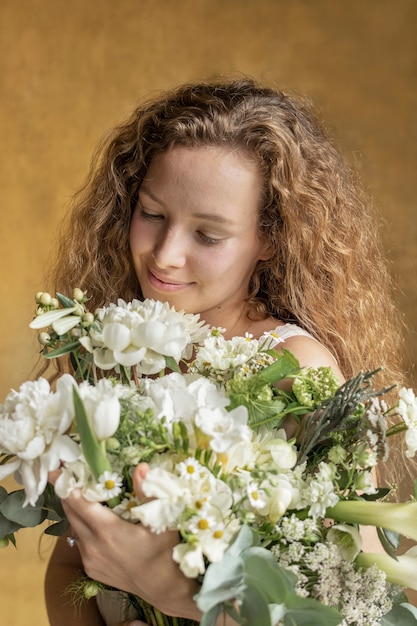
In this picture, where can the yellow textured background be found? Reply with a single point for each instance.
(72, 69)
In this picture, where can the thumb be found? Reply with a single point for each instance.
(139, 473)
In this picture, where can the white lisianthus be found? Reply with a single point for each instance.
(281, 498)
(283, 454)
(33, 423)
(223, 428)
(170, 497)
(190, 559)
(102, 405)
(348, 540)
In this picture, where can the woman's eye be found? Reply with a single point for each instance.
(151, 216)
(207, 239)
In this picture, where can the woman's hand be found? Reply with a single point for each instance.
(130, 557)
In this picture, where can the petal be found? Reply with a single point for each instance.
(46, 319)
(63, 326)
(104, 359)
(116, 336)
(129, 357)
(9, 468)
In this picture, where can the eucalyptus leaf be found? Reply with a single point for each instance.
(401, 614)
(210, 617)
(7, 527)
(3, 494)
(309, 612)
(28, 516)
(245, 538)
(262, 569)
(58, 529)
(222, 581)
(254, 608)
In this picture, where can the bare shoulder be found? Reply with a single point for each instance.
(311, 353)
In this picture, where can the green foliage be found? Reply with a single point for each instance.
(250, 575)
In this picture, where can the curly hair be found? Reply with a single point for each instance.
(327, 273)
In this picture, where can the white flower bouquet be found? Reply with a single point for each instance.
(270, 526)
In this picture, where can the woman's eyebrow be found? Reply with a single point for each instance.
(204, 215)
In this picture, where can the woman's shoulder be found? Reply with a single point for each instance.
(285, 331)
(309, 351)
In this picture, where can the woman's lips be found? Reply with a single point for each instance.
(164, 284)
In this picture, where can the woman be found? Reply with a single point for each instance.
(224, 199)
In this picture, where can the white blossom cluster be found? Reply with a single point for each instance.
(363, 596)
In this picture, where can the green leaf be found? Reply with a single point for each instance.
(285, 365)
(58, 529)
(222, 581)
(210, 617)
(404, 614)
(12, 508)
(262, 569)
(309, 612)
(94, 455)
(245, 538)
(3, 494)
(66, 302)
(171, 364)
(254, 608)
(390, 540)
(7, 527)
(69, 347)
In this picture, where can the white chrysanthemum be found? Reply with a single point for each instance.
(142, 334)
(33, 423)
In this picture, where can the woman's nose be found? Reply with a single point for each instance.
(170, 249)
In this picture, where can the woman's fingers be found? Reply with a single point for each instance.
(139, 474)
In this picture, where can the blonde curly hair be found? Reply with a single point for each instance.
(327, 273)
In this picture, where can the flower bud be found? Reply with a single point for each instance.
(38, 296)
(112, 443)
(54, 303)
(88, 318)
(78, 295)
(4, 542)
(44, 338)
(45, 299)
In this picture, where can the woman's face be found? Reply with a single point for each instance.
(194, 233)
